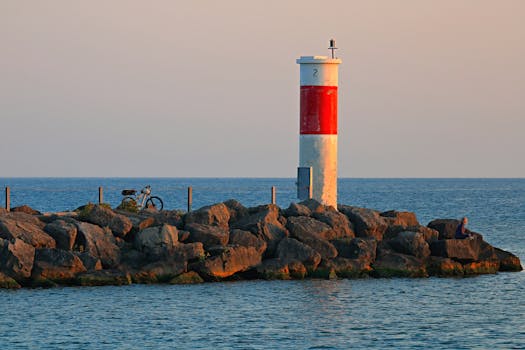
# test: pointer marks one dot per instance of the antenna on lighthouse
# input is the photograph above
(332, 47)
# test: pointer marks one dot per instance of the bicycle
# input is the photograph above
(141, 200)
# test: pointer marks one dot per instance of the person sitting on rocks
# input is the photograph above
(461, 229)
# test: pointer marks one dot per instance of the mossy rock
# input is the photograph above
(7, 282)
(325, 273)
(130, 206)
(190, 277)
(104, 278)
(43, 283)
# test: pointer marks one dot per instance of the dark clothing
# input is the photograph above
(460, 232)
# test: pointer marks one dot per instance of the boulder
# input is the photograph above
(170, 217)
(16, 258)
(190, 277)
(341, 226)
(457, 249)
(160, 271)
(157, 242)
(312, 233)
(445, 227)
(444, 267)
(211, 215)
(237, 210)
(290, 250)
(367, 222)
(325, 270)
(351, 268)
(481, 267)
(26, 231)
(264, 222)
(507, 261)
(363, 249)
(295, 209)
(297, 270)
(24, 217)
(189, 252)
(98, 242)
(233, 259)
(313, 205)
(207, 234)
(25, 209)
(183, 235)
(90, 262)
(57, 265)
(247, 239)
(392, 264)
(400, 218)
(63, 232)
(104, 278)
(7, 282)
(103, 216)
(273, 269)
(411, 243)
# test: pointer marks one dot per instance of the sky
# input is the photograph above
(126, 88)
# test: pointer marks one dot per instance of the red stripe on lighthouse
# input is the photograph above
(319, 110)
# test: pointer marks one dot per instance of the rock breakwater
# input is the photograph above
(97, 245)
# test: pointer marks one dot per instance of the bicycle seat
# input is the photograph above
(128, 192)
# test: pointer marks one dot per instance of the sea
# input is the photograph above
(483, 312)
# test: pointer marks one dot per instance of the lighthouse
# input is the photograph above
(317, 172)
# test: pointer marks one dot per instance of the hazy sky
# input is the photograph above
(211, 88)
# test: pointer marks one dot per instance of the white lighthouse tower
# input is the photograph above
(317, 172)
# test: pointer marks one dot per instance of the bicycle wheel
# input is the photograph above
(154, 202)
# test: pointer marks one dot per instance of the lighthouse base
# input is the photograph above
(320, 153)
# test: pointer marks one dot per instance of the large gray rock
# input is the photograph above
(312, 233)
(102, 216)
(367, 222)
(445, 227)
(264, 222)
(104, 278)
(400, 218)
(247, 239)
(290, 250)
(28, 232)
(63, 232)
(350, 268)
(208, 235)
(237, 210)
(16, 258)
(363, 249)
(295, 209)
(457, 249)
(25, 209)
(213, 215)
(90, 262)
(57, 265)
(392, 264)
(98, 242)
(508, 261)
(411, 243)
(341, 226)
(157, 242)
(232, 260)
(273, 269)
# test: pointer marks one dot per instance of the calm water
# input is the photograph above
(473, 313)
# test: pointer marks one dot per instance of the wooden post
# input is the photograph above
(8, 198)
(100, 195)
(190, 198)
(273, 194)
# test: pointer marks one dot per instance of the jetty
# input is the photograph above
(97, 245)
